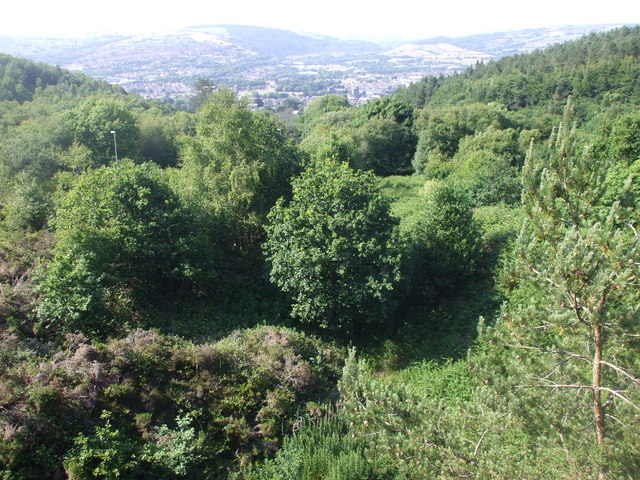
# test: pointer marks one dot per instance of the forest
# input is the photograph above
(441, 283)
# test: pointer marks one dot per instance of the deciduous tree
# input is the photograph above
(333, 248)
(234, 169)
(120, 232)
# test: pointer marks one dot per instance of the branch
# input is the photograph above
(554, 385)
(582, 357)
(620, 396)
(616, 419)
(465, 458)
(622, 371)
(540, 275)
(633, 245)
(583, 387)
(475, 452)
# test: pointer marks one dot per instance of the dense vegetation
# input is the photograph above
(443, 283)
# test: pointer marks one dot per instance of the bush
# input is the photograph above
(121, 245)
(173, 409)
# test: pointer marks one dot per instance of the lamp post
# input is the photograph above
(115, 144)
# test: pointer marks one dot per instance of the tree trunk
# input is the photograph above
(598, 408)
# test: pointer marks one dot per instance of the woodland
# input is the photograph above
(442, 283)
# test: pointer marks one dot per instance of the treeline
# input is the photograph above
(21, 79)
(179, 291)
(601, 67)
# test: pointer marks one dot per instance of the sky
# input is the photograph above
(348, 19)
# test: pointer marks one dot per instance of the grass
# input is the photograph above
(407, 195)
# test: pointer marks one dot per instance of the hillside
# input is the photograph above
(595, 67)
(267, 60)
(442, 283)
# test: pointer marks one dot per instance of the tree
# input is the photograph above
(621, 147)
(30, 156)
(204, 88)
(333, 248)
(579, 266)
(487, 178)
(440, 131)
(386, 147)
(159, 132)
(234, 169)
(92, 123)
(392, 108)
(121, 240)
(447, 243)
(320, 106)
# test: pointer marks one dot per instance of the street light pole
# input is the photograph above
(115, 144)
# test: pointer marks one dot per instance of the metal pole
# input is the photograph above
(115, 144)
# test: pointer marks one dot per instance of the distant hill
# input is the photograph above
(284, 43)
(21, 78)
(520, 41)
(273, 61)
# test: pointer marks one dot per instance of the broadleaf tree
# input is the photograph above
(333, 248)
(234, 169)
(122, 237)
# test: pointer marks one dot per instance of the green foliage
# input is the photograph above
(392, 108)
(120, 233)
(500, 225)
(620, 147)
(573, 312)
(500, 142)
(333, 137)
(488, 179)
(560, 360)
(450, 381)
(320, 106)
(108, 453)
(29, 206)
(321, 450)
(334, 248)
(30, 156)
(234, 169)
(407, 196)
(92, 123)
(373, 137)
(440, 131)
(329, 143)
(21, 80)
(152, 406)
(386, 147)
(19, 252)
(447, 245)
(408, 434)
(599, 66)
(159, 133)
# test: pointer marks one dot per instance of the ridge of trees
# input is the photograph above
(600, 66)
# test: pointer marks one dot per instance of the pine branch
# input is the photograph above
(477, 449)
(583, 387)
(612, 366)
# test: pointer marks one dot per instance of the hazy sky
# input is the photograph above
(340, 18)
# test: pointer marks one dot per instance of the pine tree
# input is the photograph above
(581, 261)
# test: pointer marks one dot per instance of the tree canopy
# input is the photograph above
(332, 247)
(234, 168)
(120, 233)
